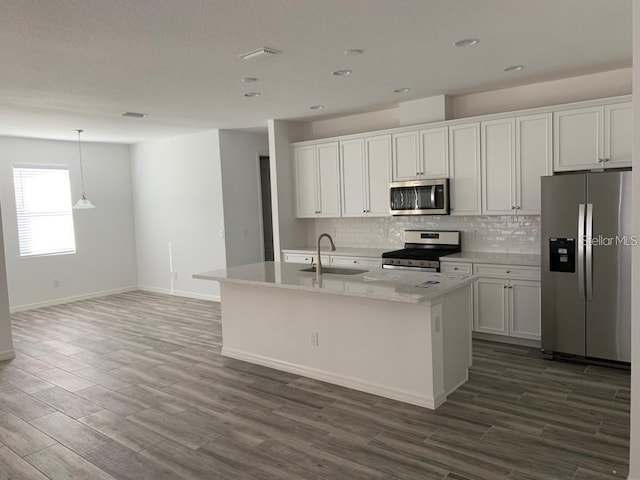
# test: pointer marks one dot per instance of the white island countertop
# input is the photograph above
(375, 283)
(529, 260)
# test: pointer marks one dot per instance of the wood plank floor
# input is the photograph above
(133, 386)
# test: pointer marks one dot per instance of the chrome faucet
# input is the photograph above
(319, 264)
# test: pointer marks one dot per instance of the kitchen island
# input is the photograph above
(400, 335)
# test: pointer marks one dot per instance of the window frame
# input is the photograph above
(22, 216)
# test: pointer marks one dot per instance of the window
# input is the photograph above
(43, 205)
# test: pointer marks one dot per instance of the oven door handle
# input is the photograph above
(411, 269)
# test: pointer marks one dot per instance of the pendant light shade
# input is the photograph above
(84, 202)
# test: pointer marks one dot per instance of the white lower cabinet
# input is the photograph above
(304, 258)
(355, 262)
(335, 260)
(504, 305)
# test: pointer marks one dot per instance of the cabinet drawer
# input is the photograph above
(304, 258)
(507, 271)
(356, 261)
(451, 267)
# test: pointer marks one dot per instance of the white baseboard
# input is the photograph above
(7, 355)
(180, 293)
(60, 301)
(337, 379)
(525, 342)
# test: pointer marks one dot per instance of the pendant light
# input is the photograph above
(84, 201)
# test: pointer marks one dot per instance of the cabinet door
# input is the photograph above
(352, 169)
(435, 152)
(406, 151)
(534, 159)
(464, 168)
(524, 309)
(491, 307)
(498, 162)
(618, 135)
(577, 139)
(378, 155)
(328, 180)
(306, 174)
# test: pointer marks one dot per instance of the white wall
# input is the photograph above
(239, 154)
(6, 343)
(634, 448)
(105, 257)
(574, 89)
(567, 90)
(287, 230)
(177, 200)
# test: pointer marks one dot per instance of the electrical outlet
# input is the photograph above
(314, 339)
(55, 283)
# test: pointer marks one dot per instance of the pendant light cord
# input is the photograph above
(80, 155)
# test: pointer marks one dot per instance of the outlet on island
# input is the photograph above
(314, 339)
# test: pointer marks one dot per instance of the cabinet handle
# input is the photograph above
(355, 261)
(504, 286)
(364, 211)
(607, 159)
(417, 174)
(600, 160)
(511, 286)
(455, 268)
(508, 271)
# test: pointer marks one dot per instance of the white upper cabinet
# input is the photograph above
(365, 171)
(352, 169)
(464, 169)
(406, 156)
(421, 154)
(592, 137)
(498, 167)
(618, 135)
(516, 152)
(317, 180)
(378, 156)
(434, 149)
(534, 159)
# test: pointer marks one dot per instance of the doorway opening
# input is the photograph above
(265, 194)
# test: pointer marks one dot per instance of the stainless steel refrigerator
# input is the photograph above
(586, 265)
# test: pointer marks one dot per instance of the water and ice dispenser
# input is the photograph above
(562, 255)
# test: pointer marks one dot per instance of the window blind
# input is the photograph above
(43, 206)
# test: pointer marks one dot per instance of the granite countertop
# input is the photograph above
(342, 251)
(376, 283)
(528, 260)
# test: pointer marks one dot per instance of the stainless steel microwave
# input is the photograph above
(420, 197)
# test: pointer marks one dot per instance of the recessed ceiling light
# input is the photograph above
(252, 94)
(513, 68)
(249, 79)
(134, 114)
(353, 51)
(401, 90)
(342, 73)
(467, 42)
(316, 107)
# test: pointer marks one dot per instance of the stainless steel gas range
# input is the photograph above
(422, 250)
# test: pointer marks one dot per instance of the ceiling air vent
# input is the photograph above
(260, 54)
(134, 114)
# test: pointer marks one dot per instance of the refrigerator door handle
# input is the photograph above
(589, 251)
(581, 242)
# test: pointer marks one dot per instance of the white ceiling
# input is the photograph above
(68, 64)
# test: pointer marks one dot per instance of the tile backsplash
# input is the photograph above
(507, 234)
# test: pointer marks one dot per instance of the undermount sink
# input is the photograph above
(336, 271)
